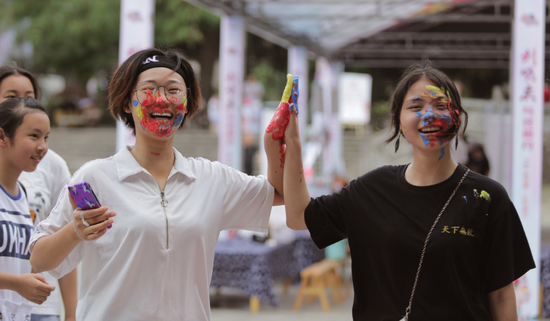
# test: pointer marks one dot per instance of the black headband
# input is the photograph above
(160, 61)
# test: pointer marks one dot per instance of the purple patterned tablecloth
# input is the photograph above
(252, 267)
(545, 278)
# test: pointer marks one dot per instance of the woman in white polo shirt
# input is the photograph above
(155, 263)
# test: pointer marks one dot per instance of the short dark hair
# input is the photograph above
(13, 110)
(125, 77)
(6, 71)
(413, 74)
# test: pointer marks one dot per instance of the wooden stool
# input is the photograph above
(315, 279)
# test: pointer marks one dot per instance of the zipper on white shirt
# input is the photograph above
(164, 204)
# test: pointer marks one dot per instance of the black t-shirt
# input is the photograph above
(478, 245)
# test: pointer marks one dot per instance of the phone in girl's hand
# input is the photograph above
(84, 196)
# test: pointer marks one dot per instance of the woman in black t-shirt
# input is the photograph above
(477, 248)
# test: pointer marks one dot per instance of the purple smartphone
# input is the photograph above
(84, 196)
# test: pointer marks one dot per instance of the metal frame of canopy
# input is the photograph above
(375, 33)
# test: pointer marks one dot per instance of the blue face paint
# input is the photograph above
(429, 115)
(135, 102)
(164, 129)
(465, 199)
(425, 139)
(178, 120)
(442, 153)
(418, 114)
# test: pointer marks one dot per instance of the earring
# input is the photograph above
(397, 141)
(456, 142)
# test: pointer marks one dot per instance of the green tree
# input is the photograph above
(79, 38)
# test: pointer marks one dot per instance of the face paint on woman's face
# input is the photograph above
(435, 127)
(438, 125)
(427, 117)
(156, 116)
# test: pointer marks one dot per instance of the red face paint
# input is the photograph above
(156, 103)
(436, 117)
(438, 96)
(156, 154)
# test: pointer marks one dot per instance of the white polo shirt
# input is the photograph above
(155, 263)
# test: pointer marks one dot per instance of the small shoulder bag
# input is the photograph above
(408, 310)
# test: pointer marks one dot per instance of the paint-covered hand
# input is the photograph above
(289, 104)
(293, 107)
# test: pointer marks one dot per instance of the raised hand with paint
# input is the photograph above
(169, 208)
(476, 249)
(279, 122)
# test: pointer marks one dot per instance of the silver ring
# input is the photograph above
(83, 220)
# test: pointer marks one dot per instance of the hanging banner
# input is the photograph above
(354, 98)
(336, 147)
(136, 33)
(298, 66)
(232, 44)
(323, 76)
(528, 111)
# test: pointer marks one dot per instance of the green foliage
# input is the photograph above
(74, 38)
(79, 38)
(379, 115)
(178, 22)
(273, 80)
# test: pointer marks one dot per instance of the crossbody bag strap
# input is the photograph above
(408, 311)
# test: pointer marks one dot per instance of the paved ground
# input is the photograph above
(231, 305)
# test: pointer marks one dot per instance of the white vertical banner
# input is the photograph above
(232, 46)
(337, 67)
(527, 75)
(354, 98)
(136, 33)
(323, 75)
(298, 66)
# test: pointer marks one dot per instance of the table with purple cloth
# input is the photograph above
(252, 266)
(545, 278)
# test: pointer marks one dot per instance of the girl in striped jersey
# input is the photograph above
(24, 130)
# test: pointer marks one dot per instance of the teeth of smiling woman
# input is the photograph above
(430, 129)
(163, 115)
